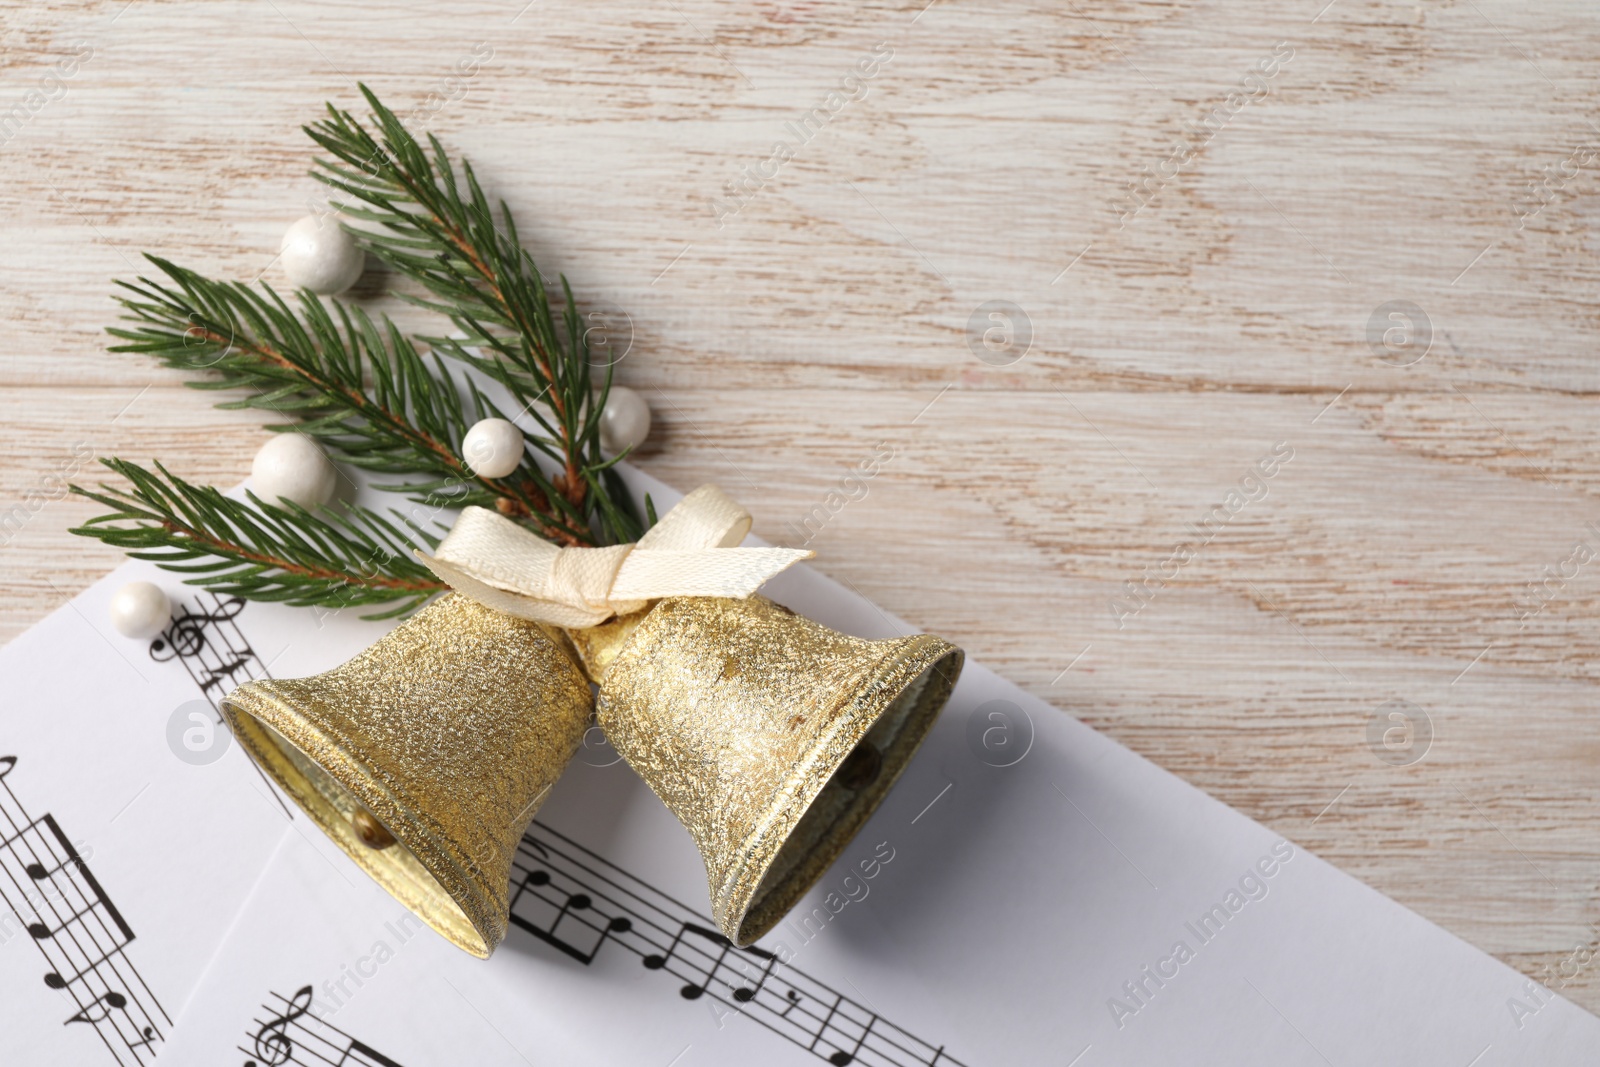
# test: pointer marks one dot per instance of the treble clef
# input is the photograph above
(273, 1045)
(186, 636)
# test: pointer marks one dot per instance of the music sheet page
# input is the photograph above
(131, 830)
(1059, 900)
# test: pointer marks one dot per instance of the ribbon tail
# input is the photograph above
(726, 572)
(706, 518)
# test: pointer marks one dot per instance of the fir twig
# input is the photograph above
(437, 227)
(340, 557)
(370, 396)
(315, 367)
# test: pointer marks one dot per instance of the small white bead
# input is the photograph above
(140, 610)
(319, 255)
(625, 422)
(293, 465)
(493, 448)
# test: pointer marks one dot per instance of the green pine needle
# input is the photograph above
(436, 226)
(316, 367)
(369, 394)
(343, 556)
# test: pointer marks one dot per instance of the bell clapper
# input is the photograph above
(860, 768)
(373, 834)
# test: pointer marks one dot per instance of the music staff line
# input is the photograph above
(704, 971)
(282, 1040)
(38, 851)
(83, 937)
(215, 652)
(595, 906)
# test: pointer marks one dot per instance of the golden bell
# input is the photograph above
(426, 756)
(771, 737)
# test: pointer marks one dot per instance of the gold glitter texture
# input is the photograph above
(447, 734)
(771, 737)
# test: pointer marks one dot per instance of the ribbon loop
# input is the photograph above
(691, 551)
(706, 518)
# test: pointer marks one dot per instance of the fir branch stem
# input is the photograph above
(219, 547)
(403, 423)
(339, 557)
(367, 393)
(572, 487)
(441, 232)
(517, 496)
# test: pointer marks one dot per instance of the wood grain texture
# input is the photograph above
(1388, 158)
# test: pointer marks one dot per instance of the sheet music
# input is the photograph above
(1075, 905)
(579, 903)
(205, 638)
(131, 830)
(83, 938)
(286, 1033)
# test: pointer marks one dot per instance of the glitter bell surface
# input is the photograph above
(771, 737)
(426, 756)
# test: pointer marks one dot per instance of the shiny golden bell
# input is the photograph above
(426, 756)
(771, 737)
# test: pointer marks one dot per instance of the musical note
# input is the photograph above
(572, 886)
(186, 636)
(107, 1004)
(841, 1057)
(54, 979)
(745, 994)
(824, 1027)
(76, 927)
(369, 1056)
(38, 872)
(693, 990)
(274, 1046)
(573, 903)
(40, 931)
(214, 651)
(70, 917)
(223, 672)
(69, 858)
(272, 1042)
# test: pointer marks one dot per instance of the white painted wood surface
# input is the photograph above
(1387, 159)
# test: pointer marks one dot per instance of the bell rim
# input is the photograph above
(392, 805)
(913, 656)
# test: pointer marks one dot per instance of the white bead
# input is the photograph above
(625, 422)
(140, 610)
(293, 465)
(319, 255)
(493, 448)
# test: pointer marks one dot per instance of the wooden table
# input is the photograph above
(1085, 269)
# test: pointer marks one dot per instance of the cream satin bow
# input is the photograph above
(689, 552)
